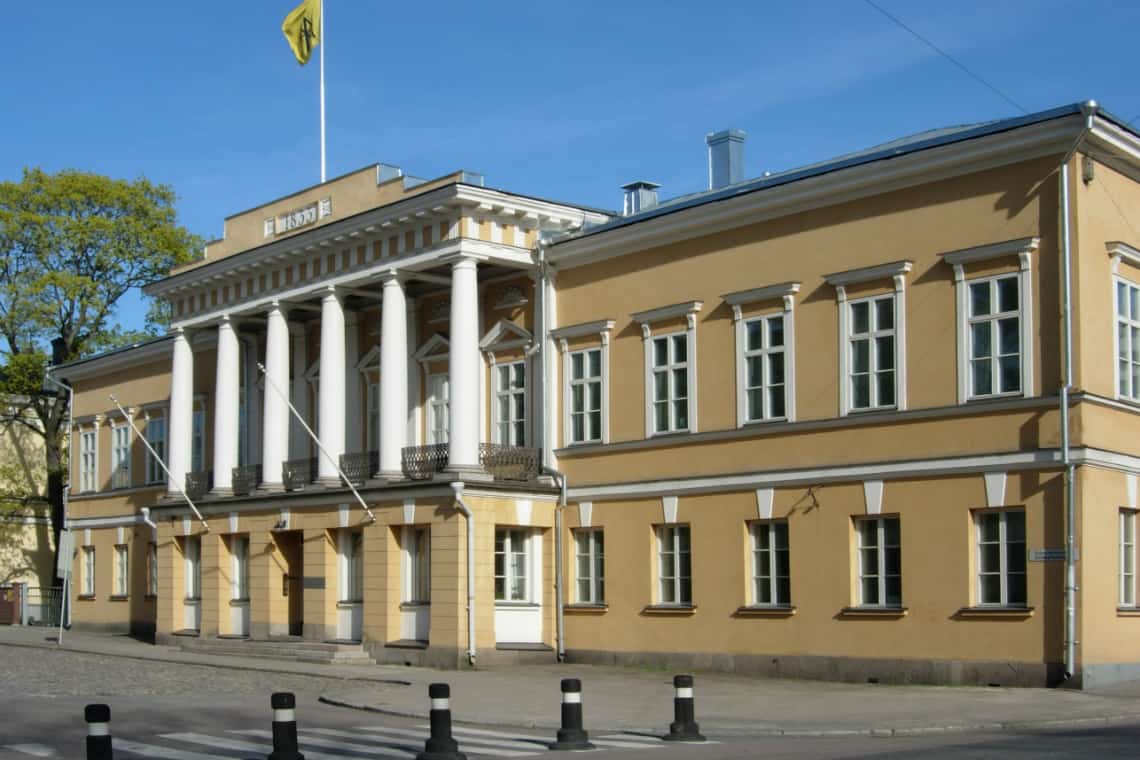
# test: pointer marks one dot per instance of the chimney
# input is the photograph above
(639, 196)
(726, 157)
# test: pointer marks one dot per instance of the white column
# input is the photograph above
(299, 441)
(181, 422)
(393, 377)
(226, 399)
(353, 412)
(276, 419)
(463, 370)
(330, 402)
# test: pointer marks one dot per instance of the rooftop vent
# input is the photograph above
(726, 157)
(639, 196)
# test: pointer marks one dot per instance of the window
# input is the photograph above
(512, 560)
(156, 437)
(1127, 558)
(239, 584)
(1001, 558)
(764, 368)
(586, 396)
(674, 566)
(120, 456)
(192, 566)
(152, 569)
(880, 562)
(87, 460)
(373, 417)
(88, 571)
(771, 566)
(122, 566)
(589, 554)
(416, 542)
(1128, 339)
(670, 383)
(198, 442)
(510, 404)
(994, 336)
(437, 408)
(871, 347)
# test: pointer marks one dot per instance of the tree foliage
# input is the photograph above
(72, 244)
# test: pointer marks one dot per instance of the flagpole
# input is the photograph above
(322, 46)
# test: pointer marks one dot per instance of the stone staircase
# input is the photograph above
(290, 648)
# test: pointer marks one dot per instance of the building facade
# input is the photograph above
(816, 424)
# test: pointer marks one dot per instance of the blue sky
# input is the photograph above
(561, 100)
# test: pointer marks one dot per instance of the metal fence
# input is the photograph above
(42, 605)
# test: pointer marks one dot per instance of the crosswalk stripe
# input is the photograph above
(633, 737)
(525, 737)
(511, 748)
(165, 753)
(311, 741)
(35, 750)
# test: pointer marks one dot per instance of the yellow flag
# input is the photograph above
(302, 28)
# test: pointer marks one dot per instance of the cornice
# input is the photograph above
(991, 251)
(868, 274)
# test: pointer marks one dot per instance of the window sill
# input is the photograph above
(502, 605)
(406, 644)
(762, 422)
(681, 610)
(239, 602)
(762, 611)
(118, 598)
(86, 597)
(586, 608)
(874, 612)
(994, 613)
(872, 410)
(348, 604)
(670, 434)
(407, 606)
(191, 600)
(1128, 611)
(994, 397)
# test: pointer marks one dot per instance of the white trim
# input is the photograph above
(498, 394)
(873, 496)
(740, 329)
(524, 509)
(1018, 246)
(764, 503)
(1130, 489)
(868, 274)
(342, 515)
(684, 309)
(897, 332)
(597, 327)
(233, 522)
(689, 310)
(568, 382)
(995, 488)
(669, 505)
(1119, 251)
(506, 335)
(87, 523)
(585, 514)
(409, 511)
(766, 293)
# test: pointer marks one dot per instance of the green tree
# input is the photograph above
(72, 244)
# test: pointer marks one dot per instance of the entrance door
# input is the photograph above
(415, 573)
(239, 586)
(292, 587)
(518, 586)
(350, 606)
(192, 573)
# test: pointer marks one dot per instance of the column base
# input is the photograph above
(271, 488)
(221, 491)
(329, 481)
(390, 477)
(465, 472)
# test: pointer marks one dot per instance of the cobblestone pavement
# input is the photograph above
(50, 673)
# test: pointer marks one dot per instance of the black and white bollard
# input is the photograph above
(98, 719)
(572, 735)
(684, 727)
(284, 706)
(440, 745)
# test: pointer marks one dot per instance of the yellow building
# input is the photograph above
(816, 424)
(26, 551)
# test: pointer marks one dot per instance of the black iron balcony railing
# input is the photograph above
(199, 483)
(422, 462)
(298, 473)
(509, 462)
(245, 479)
(360, 466)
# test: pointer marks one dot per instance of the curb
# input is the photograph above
(710, 727)
(236, 665)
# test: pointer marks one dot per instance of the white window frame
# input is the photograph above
(509, 576)
(88, 571)
(589, 543)
(152, 569)
(879, 572)
(1127, 561)
(239, 556)
(688, 310)
(154, 472)
(415, 546)
(88, 460)
(770, 568)
(669, 543)
(991, 320)
(192, 568)
(896, 273)
(1003, 572)
(350, 566)
(198, 440)
(564, 335)
(738, 301)
(122, 570)
(507, 396)
(1123, 252)
(120, 455)
(1023, 248)
(871, 338)
(436, 408)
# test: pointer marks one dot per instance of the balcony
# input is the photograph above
(501, 462)
(199, 483)
(245, 479)
(298, 473)
(360, 466)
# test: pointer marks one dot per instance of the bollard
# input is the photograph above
(440, 745)
(572, 735)
(284, 706)
(684, 727)
(98, 719)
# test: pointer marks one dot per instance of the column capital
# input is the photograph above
(330, 291)
(462, 259)
(393, 277)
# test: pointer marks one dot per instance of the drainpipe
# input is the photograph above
(1088, 109)
(458, 488)
(145, 512)
(559, 624)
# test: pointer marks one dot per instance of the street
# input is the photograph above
(179, 711)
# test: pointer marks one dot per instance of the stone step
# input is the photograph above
(294, 650)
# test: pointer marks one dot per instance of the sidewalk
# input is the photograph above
(626, 699)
